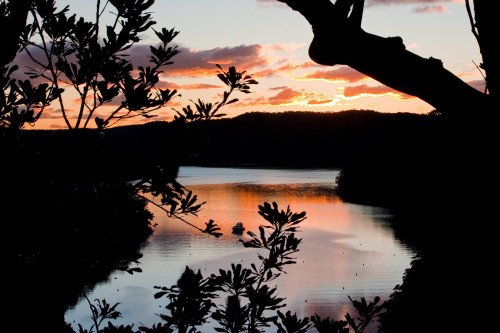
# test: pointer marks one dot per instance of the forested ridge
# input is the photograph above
(306, 139)
(393, 150)
(260, 139)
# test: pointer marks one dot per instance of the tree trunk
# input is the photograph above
(485, 17)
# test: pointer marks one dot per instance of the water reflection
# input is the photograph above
(346, 249)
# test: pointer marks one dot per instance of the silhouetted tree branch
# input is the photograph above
(484, 28)
(339, 39)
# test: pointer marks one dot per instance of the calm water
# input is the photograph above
(346, 249)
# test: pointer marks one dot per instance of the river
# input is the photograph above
(346, 249)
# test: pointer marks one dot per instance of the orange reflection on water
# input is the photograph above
(346, 249)
(230, 203)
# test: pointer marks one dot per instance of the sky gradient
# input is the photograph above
(269, 41)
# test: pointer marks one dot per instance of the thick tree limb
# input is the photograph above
(339, 39)
(391, 64)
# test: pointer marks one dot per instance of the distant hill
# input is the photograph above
(257, 139)
(304, 139)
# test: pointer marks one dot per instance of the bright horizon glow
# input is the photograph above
(269, 40)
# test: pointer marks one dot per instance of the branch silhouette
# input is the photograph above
(339, 39)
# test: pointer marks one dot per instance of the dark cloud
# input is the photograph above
(278, 88)
(197, 63)
(189, 62)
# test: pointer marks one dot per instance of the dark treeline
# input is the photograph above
(303, 139)
(256, 139)
(390, 156)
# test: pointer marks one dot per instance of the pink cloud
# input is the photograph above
(199, 86)
(430, 9)
(286, 96)
(368, 3)
(252, 101)
(264, 73)
(270, 3)
(402, 2)
(379, 90)
(478, 84)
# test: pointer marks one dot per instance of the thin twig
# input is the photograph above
(169, 214)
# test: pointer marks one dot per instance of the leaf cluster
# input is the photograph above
(69, 51)
(234, 80)
(250, 303)
(22, 102)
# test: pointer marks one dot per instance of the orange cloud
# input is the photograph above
(199, 86)
(166, 85)
(287, 68)
(320, 102)
(252, 101)
(264, 73)
(284, 97)
(364, 89)
(379, 90)
(340, 74)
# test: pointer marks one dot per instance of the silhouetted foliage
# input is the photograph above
(251, 304)
(87, 213)
(98, 67)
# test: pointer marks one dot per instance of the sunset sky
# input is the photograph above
(267, 39)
